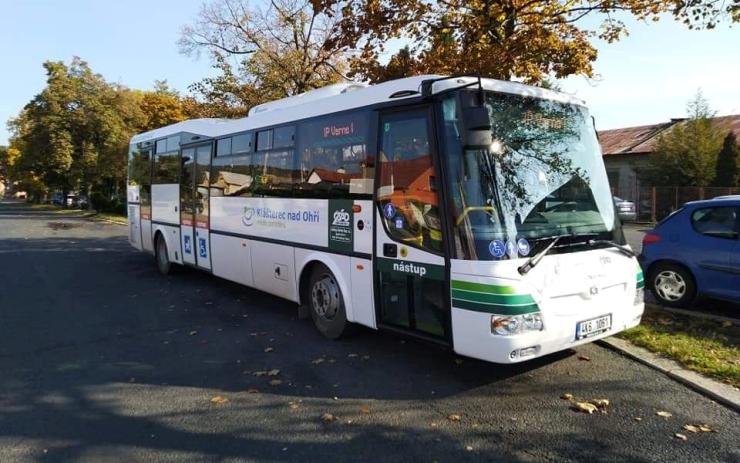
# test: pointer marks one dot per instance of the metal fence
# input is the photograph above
(654, 203)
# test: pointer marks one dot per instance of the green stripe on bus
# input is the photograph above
(482, 288)
(495, 308)
(504, 299)
(640, 284)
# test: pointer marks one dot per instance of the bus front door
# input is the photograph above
(194, 205)
(410, 264)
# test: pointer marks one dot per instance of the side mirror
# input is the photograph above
(477, 127)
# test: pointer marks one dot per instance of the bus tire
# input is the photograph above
(161, 255)
(326, 303)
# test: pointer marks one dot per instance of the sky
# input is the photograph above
(646, 78)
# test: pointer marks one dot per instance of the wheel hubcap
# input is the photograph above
(670, 286)
(325, 297)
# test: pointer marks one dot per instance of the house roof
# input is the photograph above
(642, 139)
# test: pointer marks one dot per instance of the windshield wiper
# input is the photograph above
(535, 259)
(627, 252)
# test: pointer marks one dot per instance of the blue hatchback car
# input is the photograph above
(695, 252)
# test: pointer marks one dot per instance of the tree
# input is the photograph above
(73, 135)
(727, 173)
(504, 39)
(161, 107)
(263, 53)
(686, 155)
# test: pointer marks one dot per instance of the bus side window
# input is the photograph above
(407, 195)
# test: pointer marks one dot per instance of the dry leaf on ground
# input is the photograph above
(678, 435)
(664, 414)
(585, 358)
(365, 409)
(453, 417)
(294, 404)
(727, 323)
(567, 396)
(269, 349)
(219, 400)
(637, 418)
(601, 404)
(276, 382)
(193, 333)
(317, 361)
(697, 428)
(352, 356)
(328, 418)
(273, 372)
(259, 373)
(585, 407)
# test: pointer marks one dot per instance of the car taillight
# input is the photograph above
(651, 238)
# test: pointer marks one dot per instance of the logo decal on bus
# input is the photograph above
(341, 218)
(247, 217)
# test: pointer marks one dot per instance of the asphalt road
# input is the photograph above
(103, 360)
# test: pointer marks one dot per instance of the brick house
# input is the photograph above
(626, 151)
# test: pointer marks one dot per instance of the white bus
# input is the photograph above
(470, 212)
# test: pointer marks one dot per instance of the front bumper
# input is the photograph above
(473, 338)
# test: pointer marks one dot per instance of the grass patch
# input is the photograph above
(705, 346)
(117, 218)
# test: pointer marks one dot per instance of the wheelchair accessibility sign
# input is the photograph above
(187, 245)
(202, 247)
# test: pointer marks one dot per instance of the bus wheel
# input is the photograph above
(161, 256)
(326, 303)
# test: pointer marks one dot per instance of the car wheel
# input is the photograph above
(161, 256)
(326, 303)
(672, 285)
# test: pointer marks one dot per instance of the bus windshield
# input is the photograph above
(542, 176)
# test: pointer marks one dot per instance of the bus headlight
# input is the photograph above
(639, 296)
(507, 325)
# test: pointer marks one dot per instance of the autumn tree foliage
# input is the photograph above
(504, 39)
(263, 53)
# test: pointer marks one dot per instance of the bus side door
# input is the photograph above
(410, 264)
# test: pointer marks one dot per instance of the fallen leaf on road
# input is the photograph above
(218, 400)
(680, 436)
(317, 361)
(665, 321)
(276, 382)
(328, 418)
(601, 404)
(726, 324)
(469, 448)
(365, 409)
(691, 428)
(193, 333)
(567, 396)
(259, 373)
(453, 417)
(584, 407)
(664, 414)
(293, 404)
(637, 418)
(352, 355)
(585, 358)
(269, 349)
(697, 428)
(705, 428)
(273, 372)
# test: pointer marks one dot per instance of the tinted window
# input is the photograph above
(264, 140)
(223, 147)
(162, 146)
(282, 137)
(166, 168)
(333, 159)
(406, 193)
(274, 173)
(720, 222)
(242, 143)
(173, 143)
(232, 176)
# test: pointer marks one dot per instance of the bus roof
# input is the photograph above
(339, 97)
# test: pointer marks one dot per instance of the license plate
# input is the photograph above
(594, 326)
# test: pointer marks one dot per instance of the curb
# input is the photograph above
(725, 394)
